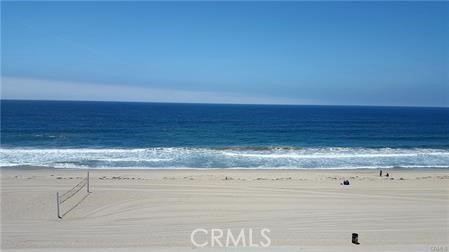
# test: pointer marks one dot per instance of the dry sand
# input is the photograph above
(156, 210)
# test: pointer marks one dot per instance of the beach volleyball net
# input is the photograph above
(63, 198)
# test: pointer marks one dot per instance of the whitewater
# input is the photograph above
(233, 158)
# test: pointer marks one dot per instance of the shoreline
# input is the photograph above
(34, 167)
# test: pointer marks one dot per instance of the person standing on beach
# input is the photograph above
(380, 173)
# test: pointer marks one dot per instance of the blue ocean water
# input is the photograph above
(161, 135)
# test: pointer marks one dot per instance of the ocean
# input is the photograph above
(122, 135)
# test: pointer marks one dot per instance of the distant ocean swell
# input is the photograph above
(230, 157)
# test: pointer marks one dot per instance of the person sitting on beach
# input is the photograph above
(388, 175)
(345, 182)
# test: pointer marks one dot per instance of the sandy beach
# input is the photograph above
(156, 210)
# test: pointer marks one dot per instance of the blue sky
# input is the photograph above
(352, 53)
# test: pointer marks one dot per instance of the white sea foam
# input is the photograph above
(234, 158)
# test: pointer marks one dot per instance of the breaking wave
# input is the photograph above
(229, 157)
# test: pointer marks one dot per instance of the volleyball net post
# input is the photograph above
(88, 184)
(57, 205)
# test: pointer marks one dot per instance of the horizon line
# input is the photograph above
(231, 104)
